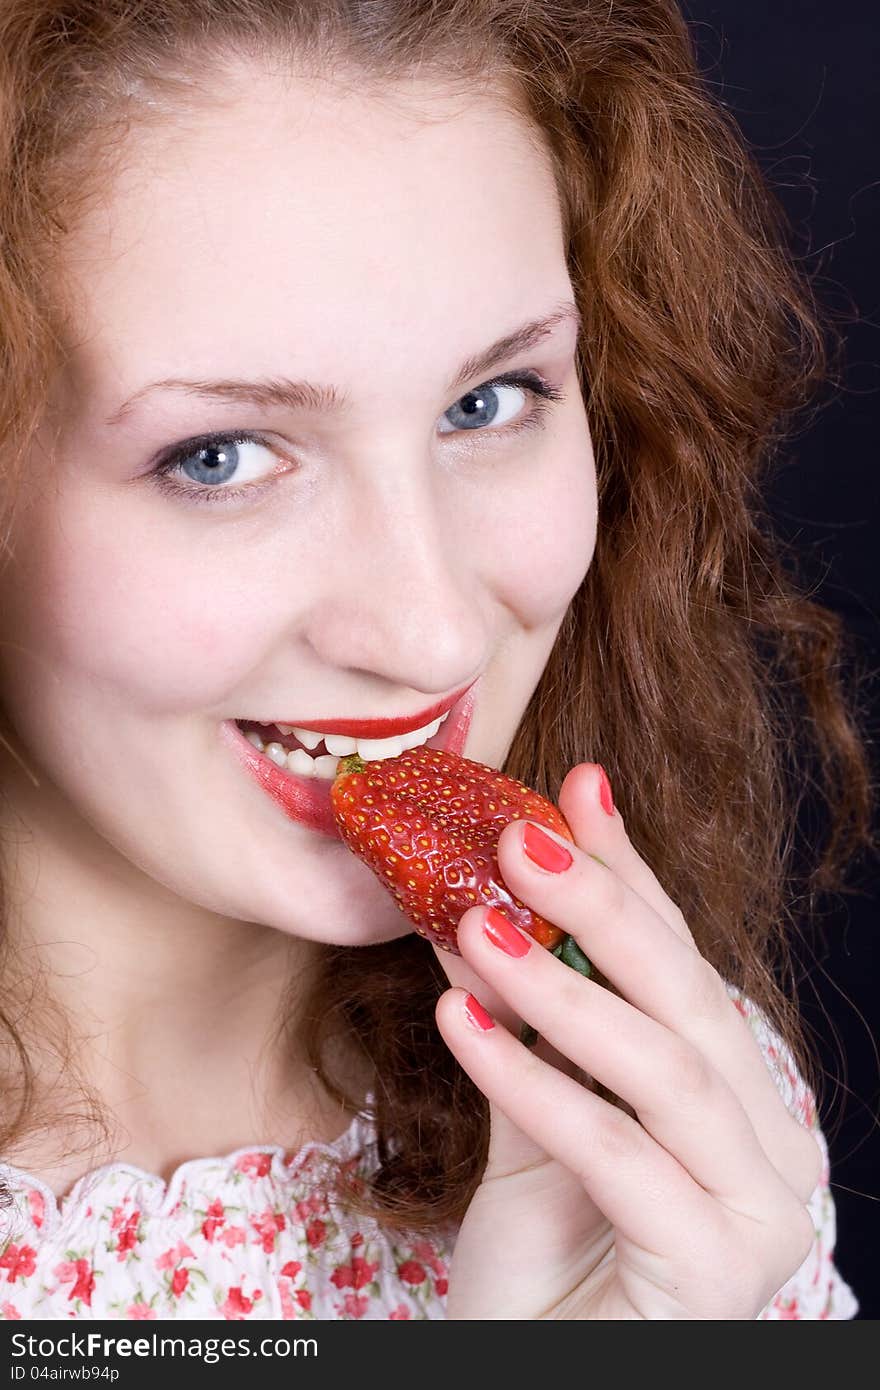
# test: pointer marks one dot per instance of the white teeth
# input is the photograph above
(300, 763)
(421, 735)
(338, 746)
(305, 736)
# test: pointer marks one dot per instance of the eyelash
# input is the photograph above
(544, 396)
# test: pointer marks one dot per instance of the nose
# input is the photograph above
(402, 596)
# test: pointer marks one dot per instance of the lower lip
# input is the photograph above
(307, 799)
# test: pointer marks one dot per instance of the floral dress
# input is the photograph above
(263, 1234)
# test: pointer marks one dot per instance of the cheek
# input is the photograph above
(123, 613)
(543, 535)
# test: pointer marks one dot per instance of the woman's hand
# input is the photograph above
(694, 1205)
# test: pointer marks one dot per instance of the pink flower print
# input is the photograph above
(85, 1283)
(441, 1287)
(215, 1216)
(355, 1275)
(233, 1235)
(237, 1306)
(179, 1281)
(310, 1206)
(411, 1272)
(356, 1240)
(118, 1218)
(256, 1165)
(266, 1226)
(787, 1309)
(316, 1231)
(19, 1261)
(173, 1256)
(141, 1311)
(304, 1299)
(37, 1204)
(128, 1236)
(355, 1305)
(399, 1314)
(10, 1311)
(291, 1269)
(425, 1252)
(288, 1309)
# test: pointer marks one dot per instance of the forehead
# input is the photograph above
(300, 224)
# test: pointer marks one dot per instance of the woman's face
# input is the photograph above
(360, 561)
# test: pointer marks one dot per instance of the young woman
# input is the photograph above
(387, 363)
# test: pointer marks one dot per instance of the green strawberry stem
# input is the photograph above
(569, 952)
(351, 762)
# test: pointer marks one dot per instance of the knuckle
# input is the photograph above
(788, 1240)
(797, 1157)
(791, 1238)
(619, 1137)
(706, 998)
(607, 894)
(691, 1076)
(680, 926)
(803, 1235)
(569, 992)
(807, 1163)
(745, 1270)
(724, 1246)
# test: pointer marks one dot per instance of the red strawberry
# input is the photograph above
(427, 823)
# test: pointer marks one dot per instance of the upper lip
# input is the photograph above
(379, 728)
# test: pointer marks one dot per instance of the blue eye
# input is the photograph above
(221, 461)
(481, 407)
(212, 461)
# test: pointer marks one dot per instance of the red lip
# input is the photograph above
(307, 799)
(377, 728)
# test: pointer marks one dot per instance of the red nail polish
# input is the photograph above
(504, 934)
(476, 1015)
(605, 797)
(544, 852)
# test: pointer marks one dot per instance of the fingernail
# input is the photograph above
(605, 797)
(504, 934)
(544, 852)
(476, 1015)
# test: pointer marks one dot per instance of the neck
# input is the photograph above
(177, 1020)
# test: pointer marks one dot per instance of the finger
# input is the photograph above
(641, 1188)
(509, 1148)
(597, 832)
(661, 975)
(462, 974)
(678, 1097)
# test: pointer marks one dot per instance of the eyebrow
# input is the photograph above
(304, 395)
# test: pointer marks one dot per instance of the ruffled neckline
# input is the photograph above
(157, 1196)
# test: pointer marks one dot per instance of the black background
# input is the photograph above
(801, 79)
